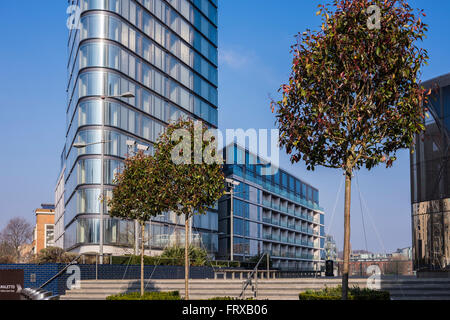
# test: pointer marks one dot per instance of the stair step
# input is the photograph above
(274, 289)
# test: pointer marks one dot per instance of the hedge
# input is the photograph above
(228, 298)
(354, 293)
(171, 295)
(153, 261)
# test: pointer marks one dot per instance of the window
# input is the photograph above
(112, 168)
(132, 43)
(89, 171)
(146, 99)
(49, 235)
(158, 32)
(88, 201)
(91, 84)
(124, 35)
(114, 29)
(113, 57)
(88, 231)
(291, 184)
(111, 227)
(124, 62)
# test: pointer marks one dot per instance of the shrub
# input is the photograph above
(173, 256)
(228, 298)
(171, 295)
(133, 259)
(355, 293)
(197, 256)
(7, 259)
(225, 264)
(54, 255)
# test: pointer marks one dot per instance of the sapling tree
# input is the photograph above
(354, 97)
(187, 151)
(142, 191)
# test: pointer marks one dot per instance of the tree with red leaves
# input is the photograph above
(354, 97)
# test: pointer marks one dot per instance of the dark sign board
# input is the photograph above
(11, 284)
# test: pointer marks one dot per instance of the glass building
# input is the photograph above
(278, 214)
(430, 183)
(163, 55)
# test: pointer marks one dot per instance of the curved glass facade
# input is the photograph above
(165, 53)
(430, 183)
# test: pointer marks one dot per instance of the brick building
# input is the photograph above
(43, 233)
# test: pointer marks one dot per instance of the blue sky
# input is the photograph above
(254, 43)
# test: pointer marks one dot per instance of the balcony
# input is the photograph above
(267, 220)
(271, 237)
(290, 196)
(275, 253)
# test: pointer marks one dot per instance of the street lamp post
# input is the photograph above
(80, 146)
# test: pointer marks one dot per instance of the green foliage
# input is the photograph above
(142, 190)
(173, 256)
(135, 260)
(353, 97)
(4, 259)
(171, 295)
(225, 263)
(54, 255)
(229, 298)
(195, 184)
(197, 256)
(355, 293)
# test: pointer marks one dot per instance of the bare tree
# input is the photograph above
(17, 233)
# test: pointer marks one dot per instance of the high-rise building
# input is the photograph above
(134, 65)
(60, 204)
(430, 182)
(277, 214)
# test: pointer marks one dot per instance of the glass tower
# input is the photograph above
(162, 56)
(430, 182)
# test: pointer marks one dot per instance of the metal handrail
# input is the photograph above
(249, 278)
(60, 272)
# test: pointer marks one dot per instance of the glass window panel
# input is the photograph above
(114, 29)
(113, 57)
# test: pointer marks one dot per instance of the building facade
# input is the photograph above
(277, 214)
(44, 230)
(430, 182)
(60, 204)
(134, 66)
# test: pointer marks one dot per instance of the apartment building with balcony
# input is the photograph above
(278, 214)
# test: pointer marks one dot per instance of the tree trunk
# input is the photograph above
(186, 258)
(345, 271)
(142, 257)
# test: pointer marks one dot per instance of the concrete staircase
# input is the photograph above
(273, 289)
